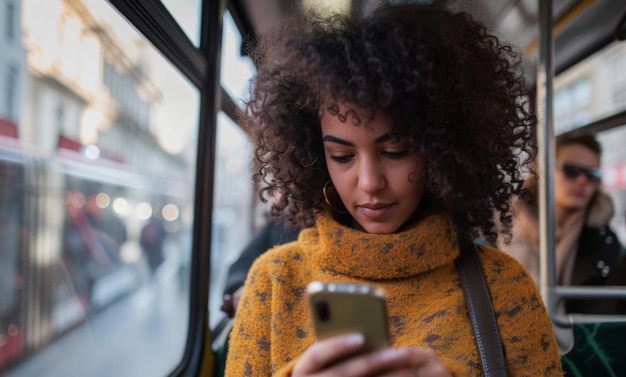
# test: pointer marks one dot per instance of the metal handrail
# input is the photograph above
(589, 292)
(559, 293)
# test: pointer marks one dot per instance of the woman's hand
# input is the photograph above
(336, 356)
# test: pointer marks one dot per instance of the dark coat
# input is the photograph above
(275, 232)
(598, 256)
(597, 261)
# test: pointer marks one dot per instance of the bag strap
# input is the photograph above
(480, 310)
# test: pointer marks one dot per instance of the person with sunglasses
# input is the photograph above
(587, 250)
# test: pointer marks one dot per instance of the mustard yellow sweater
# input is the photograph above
(425, 299)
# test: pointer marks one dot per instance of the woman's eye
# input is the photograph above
(394, 154)
(341, 159)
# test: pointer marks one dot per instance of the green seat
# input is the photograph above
(599, 350)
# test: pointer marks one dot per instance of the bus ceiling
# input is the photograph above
(581, 27)
(620, 31)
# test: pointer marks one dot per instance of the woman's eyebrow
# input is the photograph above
(334, 139)
(337, 140)
(383, 138)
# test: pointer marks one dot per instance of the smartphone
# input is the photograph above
(338, 308)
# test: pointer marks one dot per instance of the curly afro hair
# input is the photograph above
(456, 91)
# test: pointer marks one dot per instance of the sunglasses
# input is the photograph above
(572, 172)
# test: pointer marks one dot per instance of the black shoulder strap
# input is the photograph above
(481, 311)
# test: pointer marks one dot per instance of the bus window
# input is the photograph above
(589, 97)
(187, 14)
(614, 175)
(234, 193)
(96, 282)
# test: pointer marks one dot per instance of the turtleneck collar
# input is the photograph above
(423, 246)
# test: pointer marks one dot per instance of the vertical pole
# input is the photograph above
(546, 156)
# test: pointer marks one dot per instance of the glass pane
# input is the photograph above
(236, 70)
(235, 200)
(233, 205)
(187, 13)
(97, 162)
(614, 175)
(591, 90)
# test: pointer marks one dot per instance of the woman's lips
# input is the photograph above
(374, 211)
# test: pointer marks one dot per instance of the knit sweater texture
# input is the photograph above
(426, 304)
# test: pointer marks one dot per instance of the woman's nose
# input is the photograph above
(371, 177)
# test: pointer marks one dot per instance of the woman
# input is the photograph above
(587, 250)
(394, 135)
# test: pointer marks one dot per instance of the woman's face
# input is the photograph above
(573, 189)
(379, 179)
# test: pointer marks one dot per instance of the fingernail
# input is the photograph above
(355, 339)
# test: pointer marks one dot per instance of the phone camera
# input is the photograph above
(323, 311)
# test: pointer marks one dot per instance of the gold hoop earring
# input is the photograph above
(328, 201)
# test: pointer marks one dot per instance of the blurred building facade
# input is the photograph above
(88, 90)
